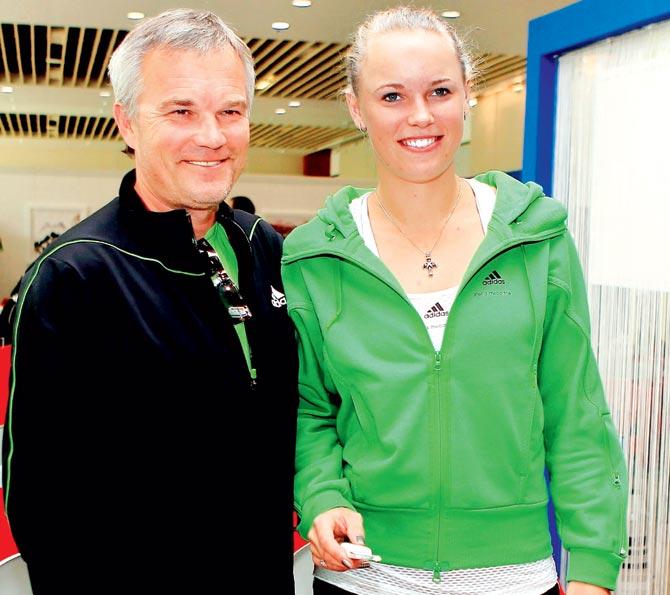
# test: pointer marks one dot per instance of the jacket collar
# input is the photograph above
(168, 235)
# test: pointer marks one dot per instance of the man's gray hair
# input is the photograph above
(403, 18)
(181, 29)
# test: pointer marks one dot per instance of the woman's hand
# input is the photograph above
(577, 588)
(330, 529)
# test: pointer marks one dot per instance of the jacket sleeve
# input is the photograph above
(319, 483)
(583, 454)
(45, 380)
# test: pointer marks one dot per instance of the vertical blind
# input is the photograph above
(611, 155)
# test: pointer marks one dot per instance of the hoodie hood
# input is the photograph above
(522, 211)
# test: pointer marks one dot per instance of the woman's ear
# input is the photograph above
(468, 91)
(354, 110)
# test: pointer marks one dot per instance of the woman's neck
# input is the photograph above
(418, 207)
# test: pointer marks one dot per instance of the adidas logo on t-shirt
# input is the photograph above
(435, 311)
(493, 279)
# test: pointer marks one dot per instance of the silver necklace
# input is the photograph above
(429, 264)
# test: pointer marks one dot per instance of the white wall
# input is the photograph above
(291, 195)
(357, 159)
(497, 132)
(23, 190)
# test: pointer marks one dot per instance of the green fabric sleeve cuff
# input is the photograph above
(595, 567)
(317, 504)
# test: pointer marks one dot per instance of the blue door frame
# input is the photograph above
(574, 26)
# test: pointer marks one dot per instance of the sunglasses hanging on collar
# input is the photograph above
(228, 292)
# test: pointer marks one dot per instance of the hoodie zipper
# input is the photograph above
(616, 481)
(436, 565)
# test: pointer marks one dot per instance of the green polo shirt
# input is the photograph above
(218, 238)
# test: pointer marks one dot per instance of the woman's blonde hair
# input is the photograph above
(402, 18)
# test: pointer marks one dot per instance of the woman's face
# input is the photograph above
(411, 98)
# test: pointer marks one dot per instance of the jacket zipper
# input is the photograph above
(236, 224)
(623, 550)
(252, 375)
(437, 366)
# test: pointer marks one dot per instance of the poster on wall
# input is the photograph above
(48, 222)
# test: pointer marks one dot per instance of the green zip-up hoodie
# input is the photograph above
(443, 453)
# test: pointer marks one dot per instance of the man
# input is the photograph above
(153, 354)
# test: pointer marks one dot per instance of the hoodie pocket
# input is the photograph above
(359, 450)
(365, 420)
(352, 406)
(532, 449)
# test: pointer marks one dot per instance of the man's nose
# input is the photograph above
(210, 132)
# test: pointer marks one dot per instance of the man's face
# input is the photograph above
(191, 130)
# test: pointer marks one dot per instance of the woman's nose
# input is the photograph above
(421, 114)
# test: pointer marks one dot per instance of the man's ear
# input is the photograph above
(125, 124)
(354, 110)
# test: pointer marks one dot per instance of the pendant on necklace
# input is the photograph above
(429, 265)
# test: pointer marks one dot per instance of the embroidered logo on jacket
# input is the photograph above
(277, 298)
(493, 278)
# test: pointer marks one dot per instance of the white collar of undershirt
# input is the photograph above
(485, 199)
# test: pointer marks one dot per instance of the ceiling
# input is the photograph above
(54, 54)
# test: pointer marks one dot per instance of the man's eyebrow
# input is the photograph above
(175, 103)
(240, 103)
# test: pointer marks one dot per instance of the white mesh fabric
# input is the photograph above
(534, 578)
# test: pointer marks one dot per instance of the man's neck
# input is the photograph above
(201, 220)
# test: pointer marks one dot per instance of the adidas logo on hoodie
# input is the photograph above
(436, 311)
(493, 279)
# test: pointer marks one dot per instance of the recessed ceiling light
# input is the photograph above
(135, 16)
(263, 84)
(302, 3)
(472, 102)
(6, 89)
(517, 87)
(280, 111)
(280, 25)
(105, 94)
(294, 104)
(451, 14)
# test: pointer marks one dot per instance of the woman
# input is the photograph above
(445, 356)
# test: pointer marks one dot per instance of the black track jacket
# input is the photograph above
(136, 444)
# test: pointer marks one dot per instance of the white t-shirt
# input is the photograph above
(533, 578)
